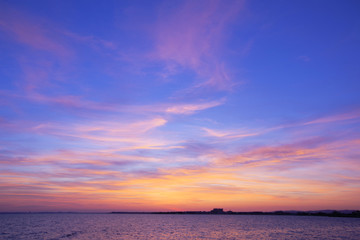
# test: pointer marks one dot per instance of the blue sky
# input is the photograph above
(181, 105)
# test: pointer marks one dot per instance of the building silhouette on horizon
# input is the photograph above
(217, 211)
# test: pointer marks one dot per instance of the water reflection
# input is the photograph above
(113, 226)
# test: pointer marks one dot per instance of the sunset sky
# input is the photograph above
(179, 105)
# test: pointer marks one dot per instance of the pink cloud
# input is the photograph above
(355, 114)
(35, 81)
(116, 135)
(71, 102)
(307, 154)
(191, 37)
(180, 108)
(31, 31)
(192, 108)
(304, 58)
(35, 74)
(230, 134)
(45, 61)
(92, 41)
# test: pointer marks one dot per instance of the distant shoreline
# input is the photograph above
(324, 213)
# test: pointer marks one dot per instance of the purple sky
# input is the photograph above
(179, 105)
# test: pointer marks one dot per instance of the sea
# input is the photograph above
(167, 226)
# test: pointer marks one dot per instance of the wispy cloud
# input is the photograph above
(92, 41)
(106, 131)
(350, 115)
(192, 108)
(32, 32)
(229, 134)
(304, 58)
(190, 37)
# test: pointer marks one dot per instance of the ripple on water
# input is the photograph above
(147, 226)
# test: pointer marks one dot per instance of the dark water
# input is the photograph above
(144, 226)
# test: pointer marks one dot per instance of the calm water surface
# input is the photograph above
(145, 226)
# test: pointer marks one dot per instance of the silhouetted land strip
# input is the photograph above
(324, 213)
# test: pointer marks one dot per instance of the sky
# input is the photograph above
(179, 105)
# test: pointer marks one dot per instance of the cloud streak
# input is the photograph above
(190, 37)
(192, 108)
(31, 32)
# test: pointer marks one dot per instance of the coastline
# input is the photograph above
(322, 213)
